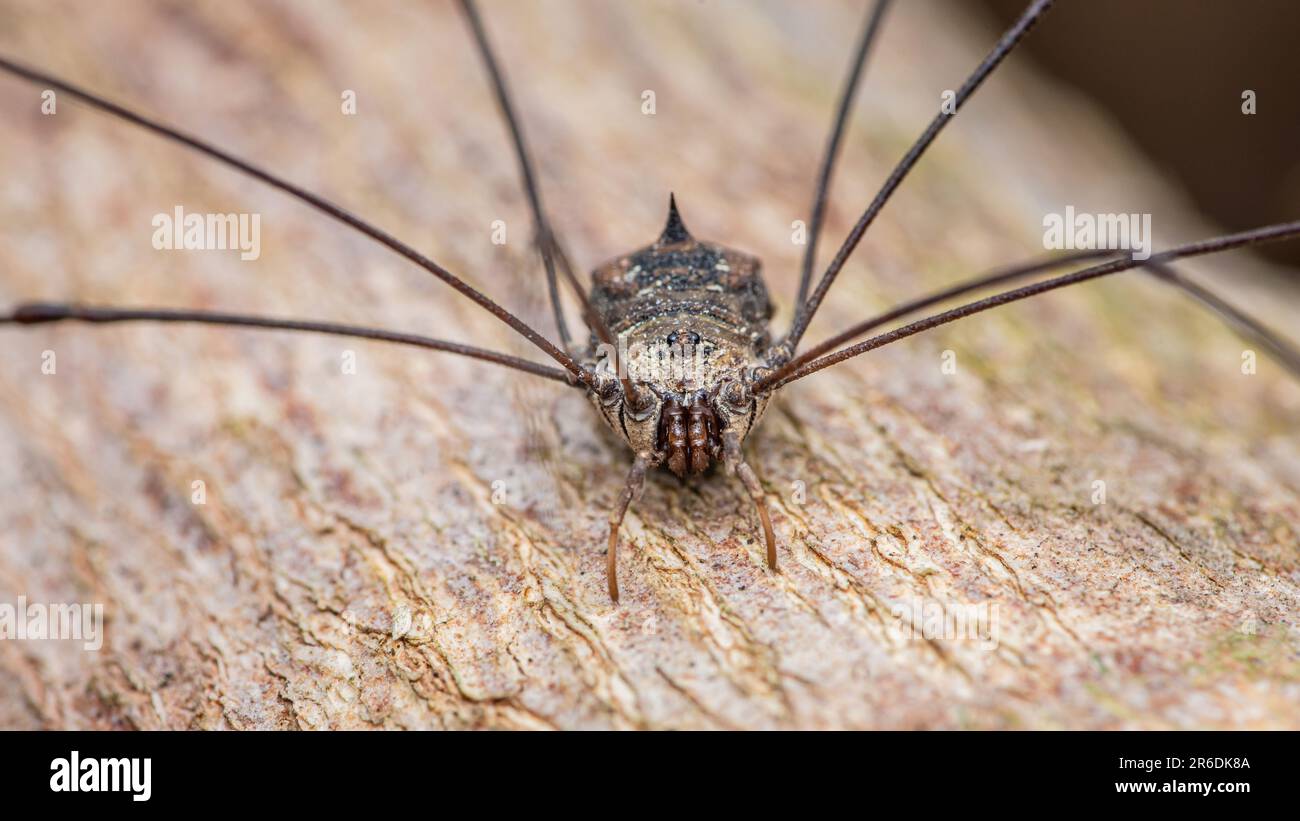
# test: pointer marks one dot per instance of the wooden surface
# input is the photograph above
(350, 567)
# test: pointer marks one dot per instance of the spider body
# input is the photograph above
(692, 320)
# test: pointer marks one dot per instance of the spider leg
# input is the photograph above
(736, 463)
(635, 481)
(1243, 323)
(1258, 236)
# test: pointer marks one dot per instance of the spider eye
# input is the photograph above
(735, 395)
(685, 337)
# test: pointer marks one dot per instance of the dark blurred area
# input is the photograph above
(1172, 73)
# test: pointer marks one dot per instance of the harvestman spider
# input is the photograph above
(684, 292)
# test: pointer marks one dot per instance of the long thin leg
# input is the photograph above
(314, 200)
(833, 146)
(736, 463)
(635, 480)
(1269, 233)
(598, 326)
(37, 313)
(1241, 322)
(547, 242)
(1009, 40)
(1001, 276)
(588, 313)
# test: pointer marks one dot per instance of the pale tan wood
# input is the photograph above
(350, 567)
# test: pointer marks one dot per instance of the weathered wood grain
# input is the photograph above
(350, 567)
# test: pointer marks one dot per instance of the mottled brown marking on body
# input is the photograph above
(679, 276)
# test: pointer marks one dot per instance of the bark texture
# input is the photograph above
(420, 543)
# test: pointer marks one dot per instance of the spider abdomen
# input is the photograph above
(679, 276)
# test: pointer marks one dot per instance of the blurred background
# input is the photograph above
(1140, 61)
